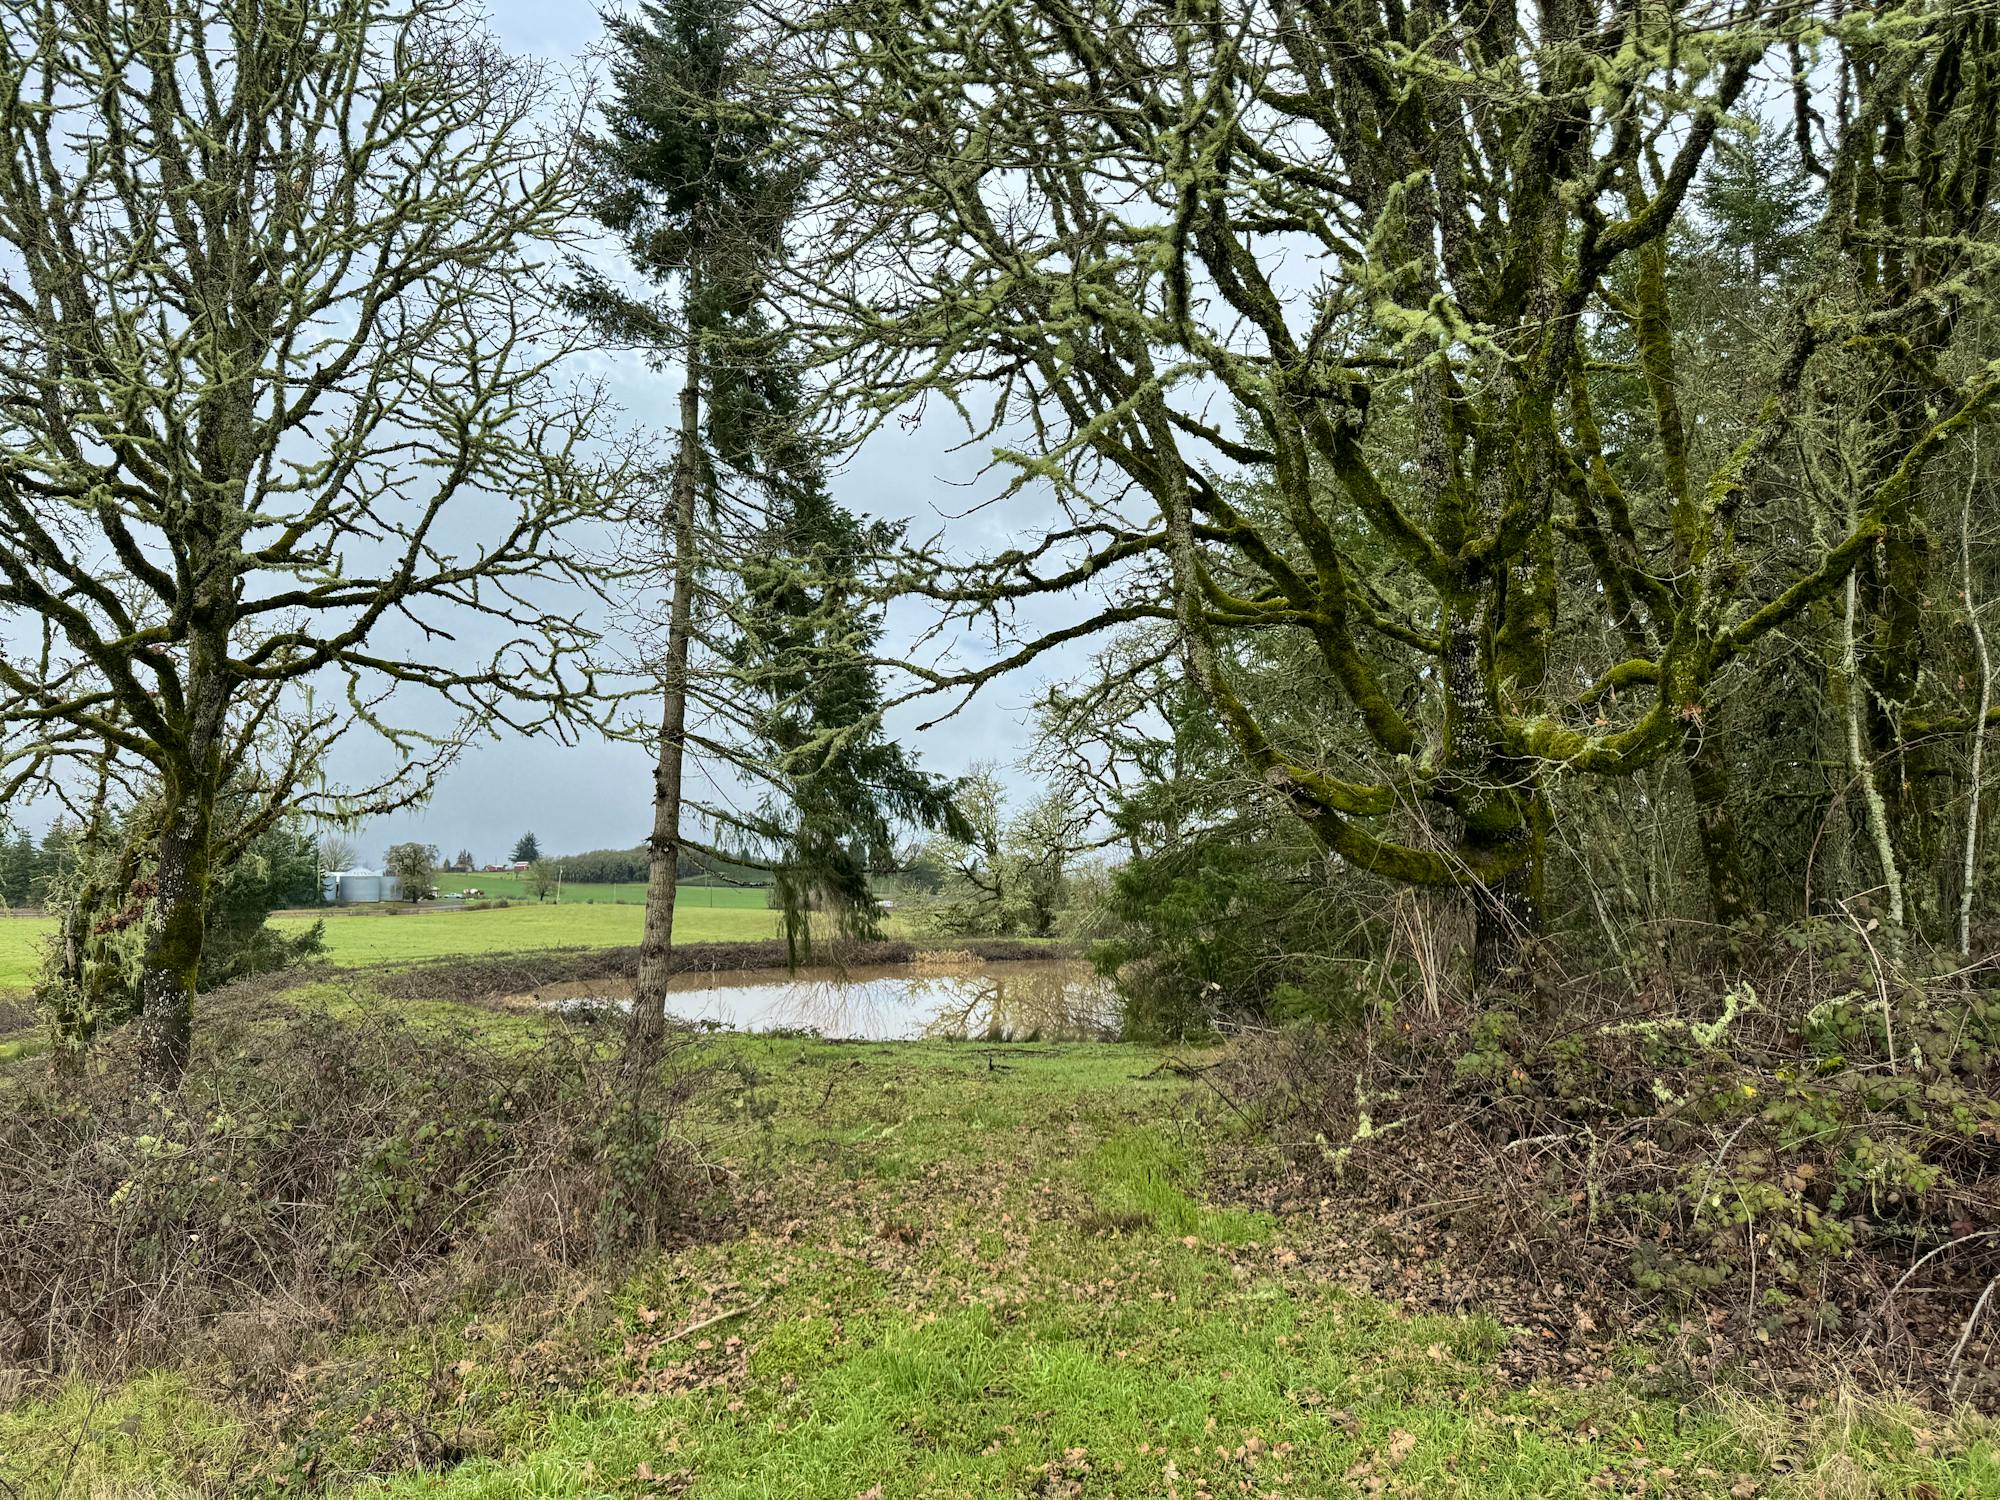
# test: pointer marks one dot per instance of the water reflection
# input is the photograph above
(1026, 1000)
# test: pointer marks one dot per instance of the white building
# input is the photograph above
(346, 887)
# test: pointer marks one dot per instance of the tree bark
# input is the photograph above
(1506, 916)
(646, 1026)
(185, 862)
(174, 932)
(1969, 876)
(1703, 753)
(1880, 830)
(65, 1009)
(1507, 909)
(1501, 810)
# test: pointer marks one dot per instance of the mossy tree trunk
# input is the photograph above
(646, 1025)
(1911, 190)
(1704, 744)
(1395, 438)
(174, 931)
(190, 785)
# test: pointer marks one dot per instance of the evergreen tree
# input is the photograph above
(1759, 199)
(840, 786)
(24, 870)
(527, 849)
(693, 172)
(278, 868)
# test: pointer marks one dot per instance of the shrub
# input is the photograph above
(1220, 930)
(1783, 1151)
(311, 1160)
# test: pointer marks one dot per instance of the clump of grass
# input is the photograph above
(1144, 1175)
(155, 1437)
(1853, 1445)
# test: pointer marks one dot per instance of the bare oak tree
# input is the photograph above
(284, 428)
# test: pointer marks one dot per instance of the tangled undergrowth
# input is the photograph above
(1798, 1164)
(313, 1167)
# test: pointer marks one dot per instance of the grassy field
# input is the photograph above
(21, 950)
(377, 935)
(975, 1273)
(606, 916)
(621, 893)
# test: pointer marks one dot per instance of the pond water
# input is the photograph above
(1025, 1000)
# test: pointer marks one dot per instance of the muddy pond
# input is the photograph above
(1050, 1000)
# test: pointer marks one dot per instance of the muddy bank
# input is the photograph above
(502, 975)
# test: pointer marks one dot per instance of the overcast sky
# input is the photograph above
(598, 795)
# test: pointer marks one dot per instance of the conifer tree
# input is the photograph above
(695, 174)
(838, 784)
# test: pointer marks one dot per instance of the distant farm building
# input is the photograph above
(347, 887)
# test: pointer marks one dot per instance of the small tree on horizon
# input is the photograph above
(335, 852)
(415, 865)
(543, 878)
(526, 849)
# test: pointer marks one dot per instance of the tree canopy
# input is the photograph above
(1351, 333)
(284, 426)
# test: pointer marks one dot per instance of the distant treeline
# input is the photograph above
(619, 866)
(27, 865)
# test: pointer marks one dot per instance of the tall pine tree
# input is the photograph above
(693, 173)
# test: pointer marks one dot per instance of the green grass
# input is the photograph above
(619, 893)
(971, 1271)
(377, 935)
(148, 1437)
(21, 950)
(606, 916)
(16, 1048)
(1002, 1283)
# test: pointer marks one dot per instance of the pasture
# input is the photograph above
(387, 935)
(21, 950)
(506, 886)
(405, 934)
